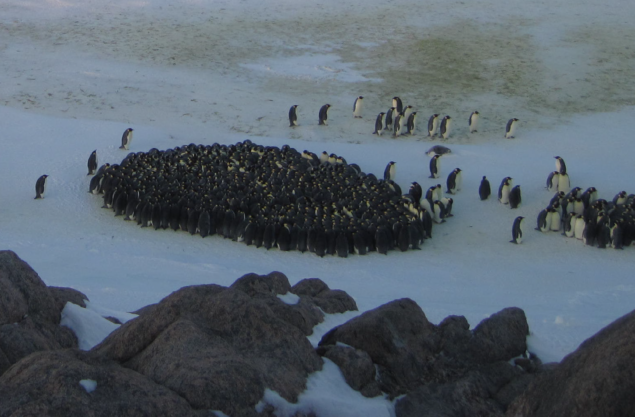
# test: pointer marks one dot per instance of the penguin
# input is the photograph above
(283, 241)
(204, 223)
(578, 206)
(437, 211)
(620, 198)
(603, 236)
(411, 123)
(397, 104)
(40, 187)
(515, 198)
(379, 124)
(580, 225)
(341, 245)
(407, 111)
(433, 125)
(390, 114)
(445, 128)
(510, 128)
(617, 235)
(323, 115)
(561, 167)
(504, 190)
(324, 157)
(438, 150)
(447, 204)
(454, 181)
(473, 121)
(382, 240)
(544, 220)
(391, 171)
(92, 163)
(398, 125)
(126, 139)
(416, 192)
(554, 225)
(293, 116)
(552, 181)
(564, 184)
(569, 225)
(517, 230)
(435, 166)
(357, 107)
(484, 190)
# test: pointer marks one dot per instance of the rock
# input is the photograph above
(598, 379)
(501, 337)
(63, 295)
(399, 339)
(330, 301)
(356, 366)
(29, 313)
(48, 383)
(219, 348)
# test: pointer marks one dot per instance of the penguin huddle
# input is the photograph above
(266, 196)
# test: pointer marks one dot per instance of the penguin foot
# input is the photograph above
(513, 241)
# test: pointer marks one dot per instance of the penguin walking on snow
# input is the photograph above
(398, 124)
(514, 197)
(473, 121)
(391, 171)
(293, 116)
(357, 107)
(126, 139)
(411, 123)
(454, 181)
(504, 189)
(484, 190)
(435, 166)
(517, 230)
(40, 186)
(510, 128)
(433, 125)
(390, 114)
(379, 124)
(323, 115)
(92, 163)
(444, 129)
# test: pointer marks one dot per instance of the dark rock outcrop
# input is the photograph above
(598, 379)
(356, 366)
(29, 313)
(48, 384)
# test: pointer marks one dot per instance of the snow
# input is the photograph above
(76, 74)
(88, 384)
(289, 298)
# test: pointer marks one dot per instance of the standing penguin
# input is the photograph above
(397, 104)
(40, 186)
(391, 171)
(484, 190)
(445, 128)
(504, 190)
(126, 139)
(357, 107)
(379, 124)
(454, 181)
(510, 128)
(293, 117)
(411, 123)
(514, 197)
(473, 121)
(390, 114)
(398, 124)
(561, 167)
(407, 111)
(433, 125)
(564, 184)
(92, 163)
(323, 115)
(544, 220)
(415, 192)
(517, 230)
(552, 181)
(435, 166)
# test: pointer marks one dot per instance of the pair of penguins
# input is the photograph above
(323, 115)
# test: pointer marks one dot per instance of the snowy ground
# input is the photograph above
(75, 74)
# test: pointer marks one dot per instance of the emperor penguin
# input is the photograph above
(435, 166)
(569, 224)
(504, 189)
(323, 115)
(391, 171)
(397, 104)
(40, 187)
(407, 111)
(510, 128)
(379, 124)
(552, 181)
(580, 225)
(473, 121)
(398, 124)
(126, 139)
(517, 230)
(561, 167)
(416, 192)
(617, 235)
(437, 212)
(564, 184)
(484, 190)
(454, 181)
(433, 125)
(514, 197)
(544, 220)
(390, 114)
(357, 107)
(92, 163)
(620, 198)
(555, 220)
(324, 157)
(293, 116)
(411, 123)
(446, 125)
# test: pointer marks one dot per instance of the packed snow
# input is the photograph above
(76, 74)
(88, 384)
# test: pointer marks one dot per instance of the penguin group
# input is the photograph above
(269, 197)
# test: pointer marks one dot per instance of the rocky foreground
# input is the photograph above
(209, 347)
